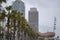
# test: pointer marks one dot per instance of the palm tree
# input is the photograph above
(23, 27)
(11, 22)
(2, 15)
(26, 28)
(8, 16)
(2, 12)
(1, 32)
(14, 22)
(30, 32)
(19, 24)
(15, 18)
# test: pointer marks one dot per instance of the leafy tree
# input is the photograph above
(1, 32)
(16, 21)
(2, 15)
(2, 1)
(1, 29)
(8, 16)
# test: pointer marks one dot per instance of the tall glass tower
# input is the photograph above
(33, 19)
(19, 6)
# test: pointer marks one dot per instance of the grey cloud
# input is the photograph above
(45, 3)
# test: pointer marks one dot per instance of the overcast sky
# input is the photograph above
(47, 10)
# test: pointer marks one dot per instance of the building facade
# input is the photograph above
(19, 6)
(33, 19)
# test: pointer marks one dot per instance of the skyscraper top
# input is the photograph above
(18, 0)
(33, 9)
(19, 6)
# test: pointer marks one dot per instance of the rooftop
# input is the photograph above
(47, 34)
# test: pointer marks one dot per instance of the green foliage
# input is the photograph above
(1, 28)
(16, 17)
(9, 8)
(2, 15)
(2, 1)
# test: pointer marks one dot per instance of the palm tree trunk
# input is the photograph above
(18, 30)
(14, 28)
(22, 31)
(8, 27)
(18, 33)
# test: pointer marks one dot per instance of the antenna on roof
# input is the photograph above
(54, 24)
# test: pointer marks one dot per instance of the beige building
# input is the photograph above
(46, 36)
